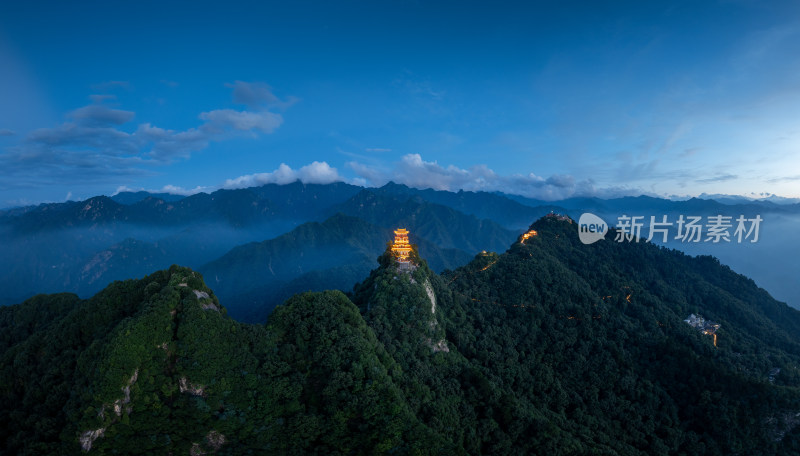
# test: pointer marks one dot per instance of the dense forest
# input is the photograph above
(552, 347)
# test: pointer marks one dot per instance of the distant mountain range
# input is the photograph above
(297, 230)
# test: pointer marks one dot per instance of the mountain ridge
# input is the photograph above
(550, 346)
(81, 246)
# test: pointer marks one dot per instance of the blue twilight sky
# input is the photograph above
(545, 99)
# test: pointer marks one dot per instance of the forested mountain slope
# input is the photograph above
(595, 335)
(154, 366)
(552, 347)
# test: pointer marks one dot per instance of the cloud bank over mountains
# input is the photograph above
(314, 173)
(412, 170)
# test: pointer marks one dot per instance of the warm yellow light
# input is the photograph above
(401, 248)
(529, 234)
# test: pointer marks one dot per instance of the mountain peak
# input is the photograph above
(551, 222)
(401, 294)
(391, 185)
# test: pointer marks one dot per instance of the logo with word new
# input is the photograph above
(591, 228)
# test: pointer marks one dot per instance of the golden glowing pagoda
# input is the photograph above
(401, 248)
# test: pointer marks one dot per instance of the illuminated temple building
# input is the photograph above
(401, 248)
(528, 235)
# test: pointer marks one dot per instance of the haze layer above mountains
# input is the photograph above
(258, 246)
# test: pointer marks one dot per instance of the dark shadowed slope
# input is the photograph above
(439, 224)
(333, 254)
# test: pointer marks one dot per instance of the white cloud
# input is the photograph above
(175, 190)
(283, 175)
(314, 173)
(415, 172)
(318, 173)
(123, 188)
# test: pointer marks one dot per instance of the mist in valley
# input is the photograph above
(84, 260)
(773, 262)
